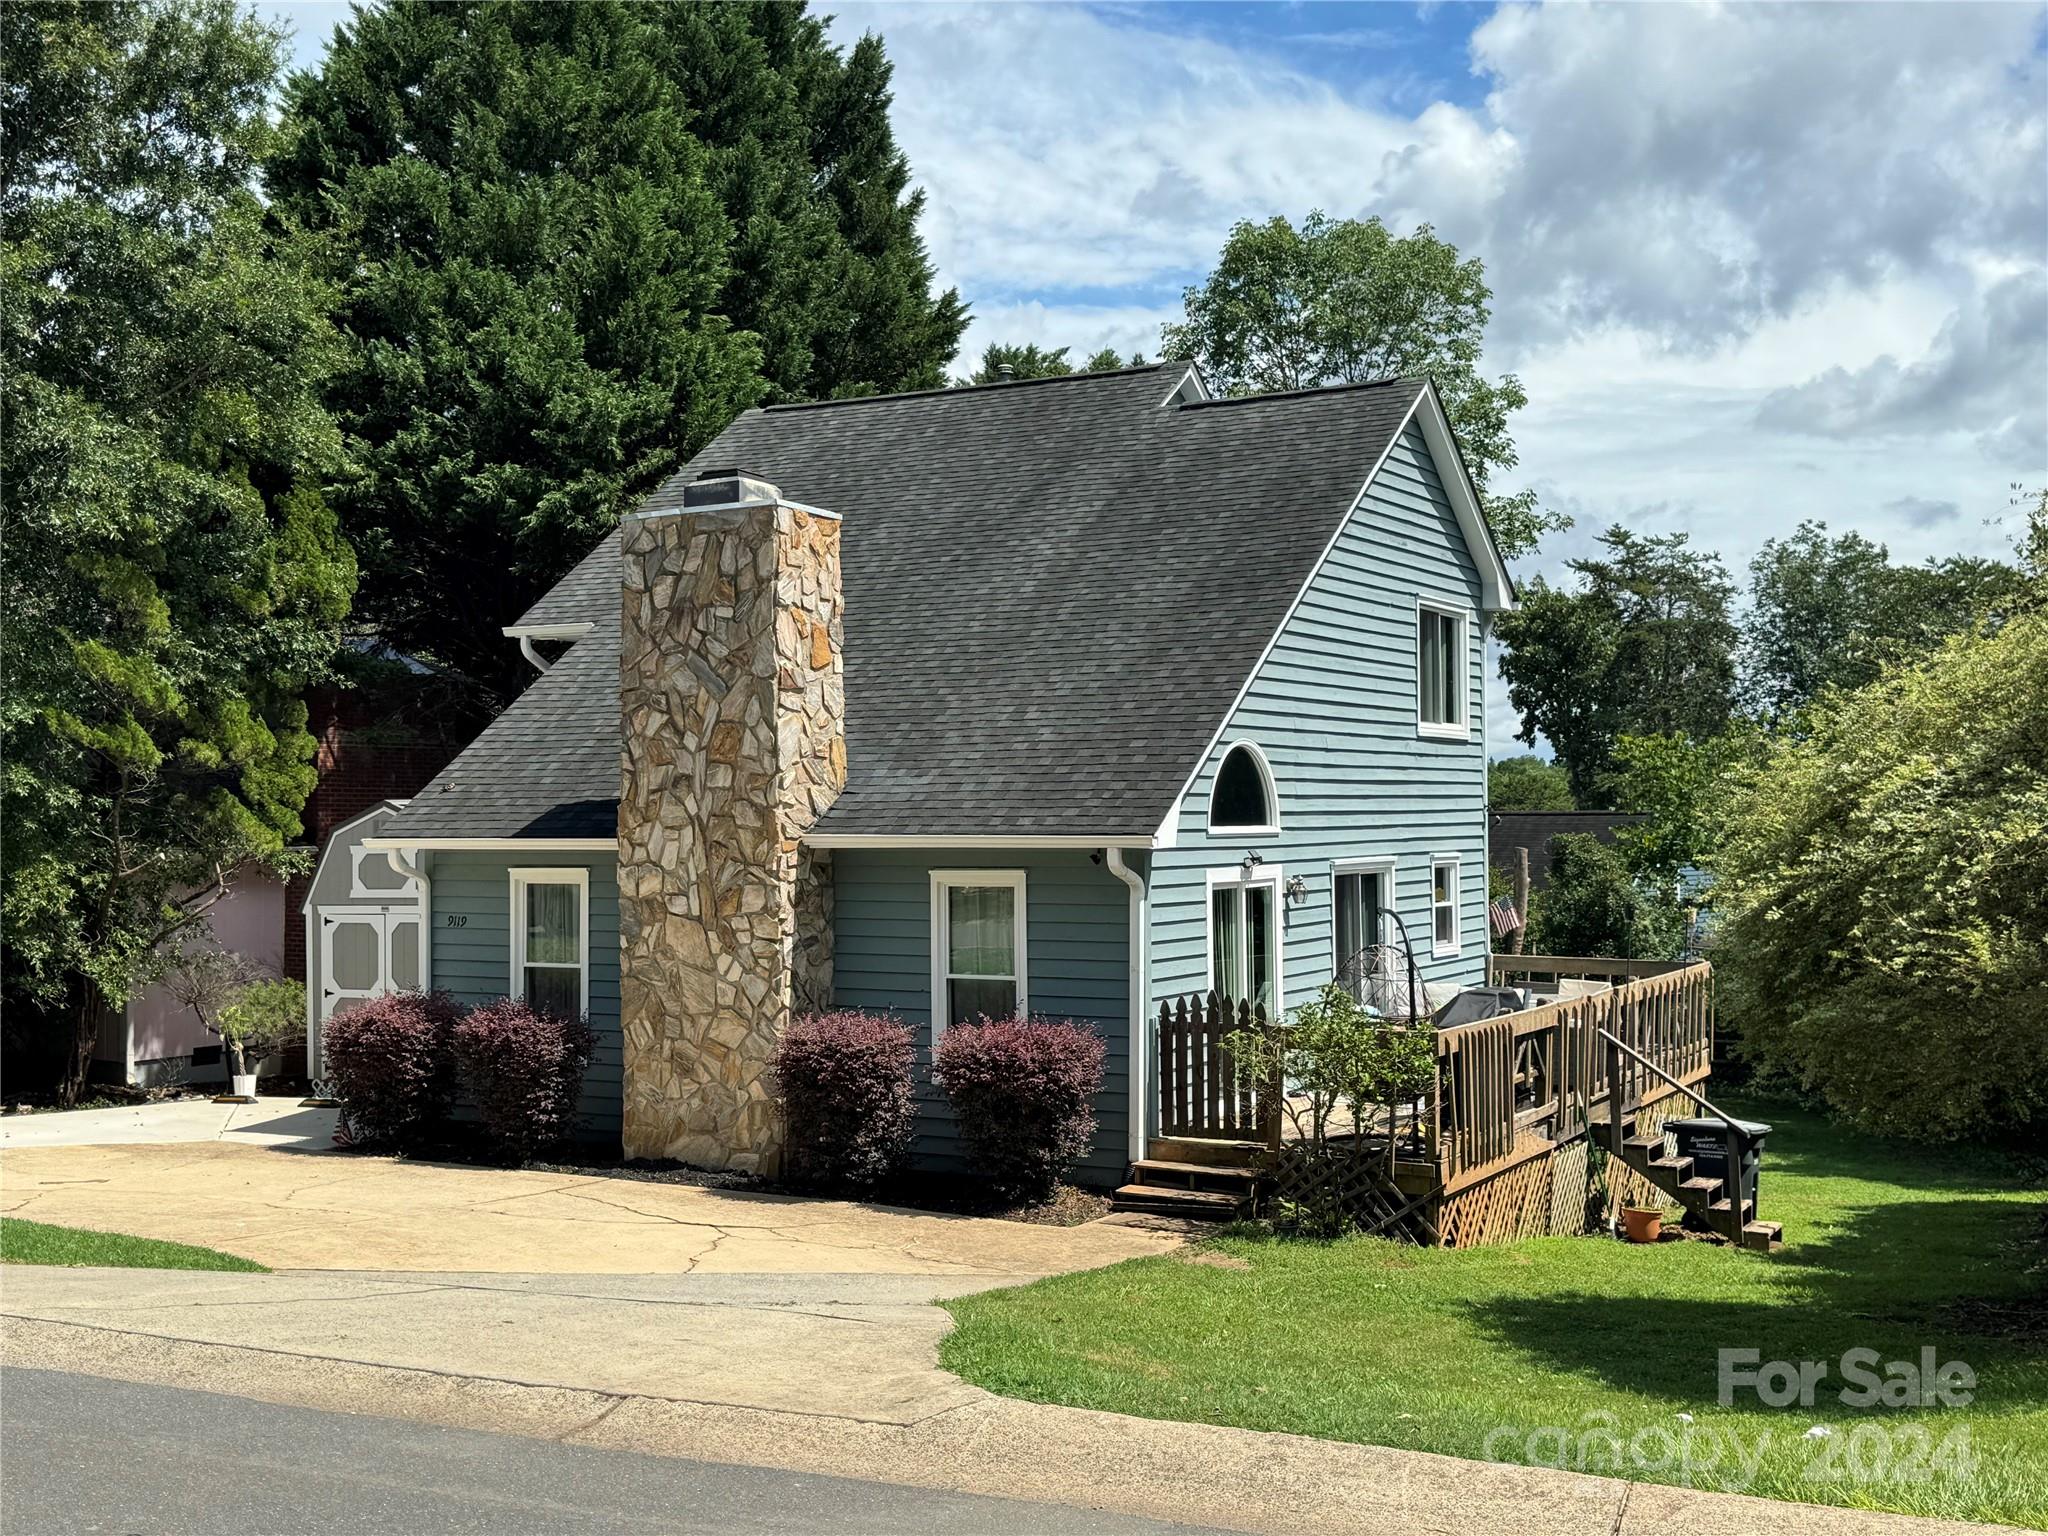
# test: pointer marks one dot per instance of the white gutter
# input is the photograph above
(1140, 1024)
(526, 634)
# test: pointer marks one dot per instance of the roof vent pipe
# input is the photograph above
(1005, 372)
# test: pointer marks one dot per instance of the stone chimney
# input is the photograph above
(732, 699)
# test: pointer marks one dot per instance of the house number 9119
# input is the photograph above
(458, 920)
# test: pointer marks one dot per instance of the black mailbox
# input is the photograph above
(1705, 1141)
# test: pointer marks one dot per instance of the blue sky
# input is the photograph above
(1753, 263)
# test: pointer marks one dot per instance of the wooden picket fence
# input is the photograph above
(1202, 1095)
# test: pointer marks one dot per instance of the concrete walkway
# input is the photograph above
(274, 1122)
(356, 1212)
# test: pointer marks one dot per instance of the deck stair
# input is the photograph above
(1194, 1179)
(1704, 1199)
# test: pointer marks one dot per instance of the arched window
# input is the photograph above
(1242, 799)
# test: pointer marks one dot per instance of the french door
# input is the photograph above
(1244, 936)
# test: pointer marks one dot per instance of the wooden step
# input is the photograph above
(1168, 1175)
(1724, 1210)
(1762, 1236)
(1676, 1169)
(1211, 1154)
(1201, 1204)
(1699, 1189)
(1648, 1146)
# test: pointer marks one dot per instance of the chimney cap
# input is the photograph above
(726, 487)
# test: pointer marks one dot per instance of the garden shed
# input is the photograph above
(363, 927)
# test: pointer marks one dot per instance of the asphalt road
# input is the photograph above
(88, 1455)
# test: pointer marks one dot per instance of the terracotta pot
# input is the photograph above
(1643, 1224)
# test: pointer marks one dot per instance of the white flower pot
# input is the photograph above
(245, 1084)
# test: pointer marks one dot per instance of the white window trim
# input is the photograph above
(1456, 947)
(1237, 876)
(1438, 730)
(561, 874)
(1265, 767)
(1389, 868)
(944, 880)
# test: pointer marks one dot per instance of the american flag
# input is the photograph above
(1505, 918)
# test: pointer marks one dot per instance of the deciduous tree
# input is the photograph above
(1832, 611)
(174, 579)
(1885, 939)
(1346, 301)
(1528, 783)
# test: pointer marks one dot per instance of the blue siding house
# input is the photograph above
(1068, 697)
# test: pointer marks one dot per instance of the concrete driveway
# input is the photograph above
(349, 1211)
(269, 1122)
(667, 1291)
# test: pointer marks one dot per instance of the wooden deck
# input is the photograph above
(1503, 1146)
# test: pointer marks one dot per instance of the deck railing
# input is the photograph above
(1540, 1077)
(1505, 1087)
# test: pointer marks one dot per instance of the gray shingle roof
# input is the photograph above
(1054, 591)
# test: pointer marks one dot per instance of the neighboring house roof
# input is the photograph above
(1054, 590)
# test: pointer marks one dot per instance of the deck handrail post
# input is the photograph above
(1614, 1096)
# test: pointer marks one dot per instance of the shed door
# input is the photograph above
(364, 954)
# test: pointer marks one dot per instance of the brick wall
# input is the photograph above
(359, 765)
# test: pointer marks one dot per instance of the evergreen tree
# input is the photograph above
(1001, 363)
(572, 242)
(173, 579)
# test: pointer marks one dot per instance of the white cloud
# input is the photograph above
(1754, 263)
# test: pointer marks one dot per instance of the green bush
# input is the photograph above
(1593, 906)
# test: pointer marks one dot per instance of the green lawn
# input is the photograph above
(34, 1242)
(1551, 1351)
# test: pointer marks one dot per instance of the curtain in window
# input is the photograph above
(1430, 658)
(552, 929)
(1258, 903)
(981, 952)
(1226, 934)
(554, 950)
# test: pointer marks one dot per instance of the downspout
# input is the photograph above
(526, 649)
(1140, 1024)
(407, 870)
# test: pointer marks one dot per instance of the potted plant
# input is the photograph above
(1642, 1223)
(260, 1018)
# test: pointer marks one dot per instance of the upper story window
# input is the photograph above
(1441, 683)
(1242, 799)
(551, 940)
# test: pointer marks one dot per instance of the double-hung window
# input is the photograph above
(1440, 672)
(1443, 906)
(978, 950)
(551, 940)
